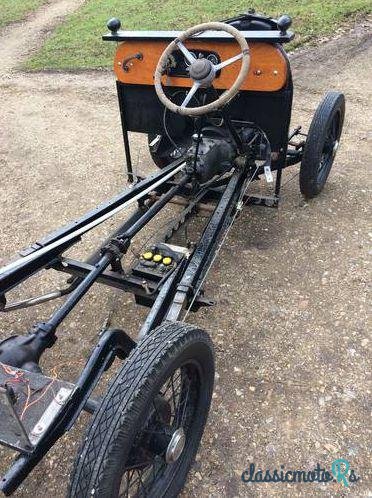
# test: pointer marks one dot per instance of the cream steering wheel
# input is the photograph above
(202, 71)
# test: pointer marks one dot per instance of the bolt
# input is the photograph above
(146, 287)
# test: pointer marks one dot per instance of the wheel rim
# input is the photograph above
(329, 148)
(161, 441)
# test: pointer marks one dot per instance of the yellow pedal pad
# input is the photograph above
(147, 255)
(157, 258)
(167, 261)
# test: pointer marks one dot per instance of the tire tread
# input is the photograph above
(332, 102)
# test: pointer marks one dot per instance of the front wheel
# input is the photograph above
(321, 144)
(144, 436)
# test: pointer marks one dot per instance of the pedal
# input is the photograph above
(29, 404)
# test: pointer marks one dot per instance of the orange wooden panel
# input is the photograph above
(267, 72)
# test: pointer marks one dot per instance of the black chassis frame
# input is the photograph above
(180, 291)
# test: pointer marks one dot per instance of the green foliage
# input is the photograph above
(15, 10)
(77, 43)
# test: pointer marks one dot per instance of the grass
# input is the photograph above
(16, 10)
(77, 43)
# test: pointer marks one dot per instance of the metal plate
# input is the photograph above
(12, 431)
(49, 415)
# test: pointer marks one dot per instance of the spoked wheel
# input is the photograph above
(322, 143)
(145, 434)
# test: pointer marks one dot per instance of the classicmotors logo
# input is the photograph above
(341, 472)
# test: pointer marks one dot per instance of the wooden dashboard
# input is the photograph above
(268, 70)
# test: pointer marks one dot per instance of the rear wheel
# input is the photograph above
(144, 436)
(321, 144)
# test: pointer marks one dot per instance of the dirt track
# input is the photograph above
(290, 327)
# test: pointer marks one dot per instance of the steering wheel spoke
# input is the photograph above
(227, 62)
(190, 94)
(186, 52)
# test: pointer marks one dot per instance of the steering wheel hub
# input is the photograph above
(201, 69)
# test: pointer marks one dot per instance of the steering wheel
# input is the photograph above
(202, 71)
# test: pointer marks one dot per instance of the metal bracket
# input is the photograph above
(201, 301)
(49, 415)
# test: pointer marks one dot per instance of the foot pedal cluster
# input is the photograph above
(29, 404)
(154, 266)
(159, 260)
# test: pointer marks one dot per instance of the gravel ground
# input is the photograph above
(293, 385)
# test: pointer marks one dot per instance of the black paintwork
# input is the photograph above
(114, 343)
(142, 112)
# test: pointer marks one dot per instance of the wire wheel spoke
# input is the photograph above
(133, 447)
(328, 151)
(138, 481)
(169, 411)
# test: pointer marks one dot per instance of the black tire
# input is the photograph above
(126, 426)
(321, 144)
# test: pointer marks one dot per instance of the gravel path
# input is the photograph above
(290, 327)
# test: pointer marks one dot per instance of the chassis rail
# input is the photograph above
(45, 251)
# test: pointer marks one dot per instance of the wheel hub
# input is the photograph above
(335, 147)
(176, 446)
